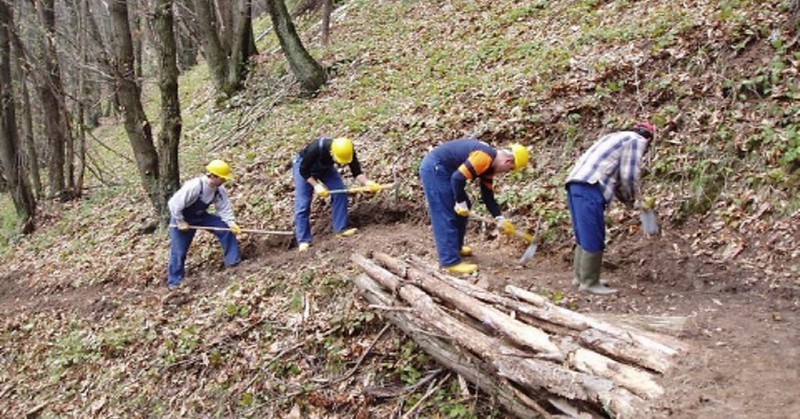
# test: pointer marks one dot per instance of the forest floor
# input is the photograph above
(742, 336)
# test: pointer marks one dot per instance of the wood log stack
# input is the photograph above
(536, 358)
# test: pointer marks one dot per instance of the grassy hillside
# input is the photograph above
(86, 327)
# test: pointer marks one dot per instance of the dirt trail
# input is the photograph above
(745, 354)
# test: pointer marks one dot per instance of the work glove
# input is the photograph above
(183, 225)
(504, 226)
(235, 229)
(321, 190)
(462, 209)
(373, 186)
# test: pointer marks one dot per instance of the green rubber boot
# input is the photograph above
(591, 263)
(576, 264)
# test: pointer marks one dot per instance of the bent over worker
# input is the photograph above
(314, 172)
(609, 169)
(189, 207)
(444, 173)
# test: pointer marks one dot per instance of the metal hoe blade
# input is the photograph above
(530, 252)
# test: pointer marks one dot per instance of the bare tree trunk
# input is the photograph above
(186, 39)
(13, 172)
(84, 93)
(243, 46)
(171, 123)
(308, 72)
(216, 55)
(70, 78)
(226, 16)
(327, 9)
(137, 35)
(101, 54)
(28, 146)
(51, 94)
(136, 124)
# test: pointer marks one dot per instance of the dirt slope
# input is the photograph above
(742, 335)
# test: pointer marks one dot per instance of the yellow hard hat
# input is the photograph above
(521, 156)
(342, 150)
(220, 169)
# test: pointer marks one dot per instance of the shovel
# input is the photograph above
(244, 230)
(357, 189)
(649, 220)
(532, 240)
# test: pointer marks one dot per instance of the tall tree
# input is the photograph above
(242, 46)
(227, 57)
(51, 94)
(171, 123)
(136, 124)
(308, 71)
(13, 171)
(187, 38)
(20, 71)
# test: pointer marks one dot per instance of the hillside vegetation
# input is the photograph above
(88, 327)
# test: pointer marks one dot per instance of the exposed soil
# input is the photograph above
(743, 334)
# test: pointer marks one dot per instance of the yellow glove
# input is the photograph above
(462, 209)
(235, 229)
(506, 227)
(649, 203)
(321, 190)
(373, 186)
(183, 225)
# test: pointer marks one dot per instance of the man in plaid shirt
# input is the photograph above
(609, 169)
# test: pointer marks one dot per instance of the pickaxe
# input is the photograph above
(244, 230)
(533, 240)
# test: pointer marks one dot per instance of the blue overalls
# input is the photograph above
(197, 214)
(449, 229)
(587, 209)
(303, 195)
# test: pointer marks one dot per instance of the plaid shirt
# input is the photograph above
(615, 163)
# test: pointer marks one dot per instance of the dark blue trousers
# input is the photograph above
(180, 241)
(304, 194)
(448, 227)
(587, 208)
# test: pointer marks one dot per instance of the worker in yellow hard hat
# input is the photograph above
(445, 172)
(188, 208)
(314, 171)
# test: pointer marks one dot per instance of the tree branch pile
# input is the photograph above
(538, 359)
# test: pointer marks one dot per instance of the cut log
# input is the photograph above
(544, 312)
(472, 368)
(671, 325)
(515, 330)
(634, 379)
(555, 360)
(602, 326)
(508, 361)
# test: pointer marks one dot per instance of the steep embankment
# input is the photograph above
(86, 327)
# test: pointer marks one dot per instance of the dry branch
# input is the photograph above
(571, 363)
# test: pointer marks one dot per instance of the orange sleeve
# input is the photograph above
(477, 163)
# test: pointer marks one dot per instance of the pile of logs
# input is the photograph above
(536, 358)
